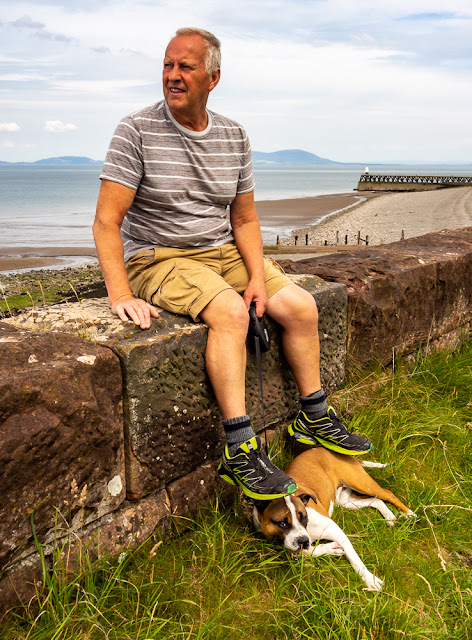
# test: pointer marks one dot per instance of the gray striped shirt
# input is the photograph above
(184, 180)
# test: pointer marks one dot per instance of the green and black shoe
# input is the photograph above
(329, 432)
(251, 469)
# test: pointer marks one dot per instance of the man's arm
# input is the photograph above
(114, 200)
(247, 235)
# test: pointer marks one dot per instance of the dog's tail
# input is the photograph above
(373, 465)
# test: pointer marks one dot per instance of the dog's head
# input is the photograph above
(285, 519)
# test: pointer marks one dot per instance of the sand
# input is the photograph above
(384, 219)
(381, 217)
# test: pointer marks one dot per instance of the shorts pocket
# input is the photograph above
(175, 291)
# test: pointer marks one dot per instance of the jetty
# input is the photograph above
(388, 182)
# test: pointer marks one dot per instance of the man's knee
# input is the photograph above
(227, 312)
(293, 305)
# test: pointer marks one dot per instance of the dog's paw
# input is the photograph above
(334, 549)
(373, 583)
(410, 514)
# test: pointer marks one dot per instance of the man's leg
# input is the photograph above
(244, 461)
(295, 310)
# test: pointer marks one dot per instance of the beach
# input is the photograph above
(389, 217)
(382, 217)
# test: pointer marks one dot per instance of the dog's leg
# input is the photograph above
(327, 549)
(356, 478)
(347, 499)
(323, 528)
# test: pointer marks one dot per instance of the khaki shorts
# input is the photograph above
(184, 281)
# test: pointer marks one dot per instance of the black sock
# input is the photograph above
(314, 405)
(238, 430)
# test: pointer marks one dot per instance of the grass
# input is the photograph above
(221, 581)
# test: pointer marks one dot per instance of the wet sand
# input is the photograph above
(15, 258)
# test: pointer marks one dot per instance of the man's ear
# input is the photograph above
(215, 78)
(306, 497)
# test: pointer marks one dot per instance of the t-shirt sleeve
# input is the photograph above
(246, 180)
(124, 159)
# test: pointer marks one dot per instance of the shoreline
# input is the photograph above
(380, 215)
(279, 216)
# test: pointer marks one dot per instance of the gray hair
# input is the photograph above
(212, 44)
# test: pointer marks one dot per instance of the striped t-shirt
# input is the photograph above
(184, 180)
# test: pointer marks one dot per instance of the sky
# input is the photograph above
(363, 81)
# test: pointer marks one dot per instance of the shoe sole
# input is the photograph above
(314, 440)
(226, 475)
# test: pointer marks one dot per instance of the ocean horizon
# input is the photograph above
(54, 205)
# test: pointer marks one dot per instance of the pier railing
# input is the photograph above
(399, 179)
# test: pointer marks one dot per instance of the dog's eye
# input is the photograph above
(303, 519)
(283, 524)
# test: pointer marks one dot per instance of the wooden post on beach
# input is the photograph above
(278, 239)
(403, 234)
(345, 239)
(306, 239)
(337, 237)
(296, 240)
(358, 237)
(367, 240)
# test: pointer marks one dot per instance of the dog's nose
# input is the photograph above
(303, 542)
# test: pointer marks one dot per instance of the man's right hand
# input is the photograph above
(139, 311)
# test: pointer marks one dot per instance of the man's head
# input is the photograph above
(191, 71)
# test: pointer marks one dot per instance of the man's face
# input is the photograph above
(185, 81)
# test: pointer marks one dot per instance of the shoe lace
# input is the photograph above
(253, 467)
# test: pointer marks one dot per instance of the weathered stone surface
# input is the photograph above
(61, 437)
(172, 422)
(22, 584)
(188, 494)
(401, 295)
(118, 532)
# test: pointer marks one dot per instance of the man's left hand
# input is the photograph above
(256, 292)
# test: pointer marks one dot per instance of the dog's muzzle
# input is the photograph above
(303, 542)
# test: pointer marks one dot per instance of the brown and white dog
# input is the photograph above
(325, 479)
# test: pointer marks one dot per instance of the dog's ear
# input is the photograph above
(305, 497)
(261, 505)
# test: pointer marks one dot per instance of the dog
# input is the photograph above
(325, 479)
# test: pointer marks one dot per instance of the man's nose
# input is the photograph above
(174, 73)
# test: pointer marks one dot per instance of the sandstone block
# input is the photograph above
(172, 421)
(61, 437)
(402, 295)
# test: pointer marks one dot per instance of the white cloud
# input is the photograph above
(57, 126)
(9, 126)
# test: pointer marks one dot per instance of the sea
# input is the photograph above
(53, 206)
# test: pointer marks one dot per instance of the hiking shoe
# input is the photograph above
(251, 469)
(330, 432)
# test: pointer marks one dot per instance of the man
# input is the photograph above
(173, 173)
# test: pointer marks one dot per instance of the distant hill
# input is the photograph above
(259, 158)
(288, 157)
(62, 160)
(68, 160)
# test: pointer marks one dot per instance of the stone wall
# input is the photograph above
(402, 296)
(108, 432)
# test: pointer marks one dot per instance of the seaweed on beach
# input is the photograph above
(21, 291)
